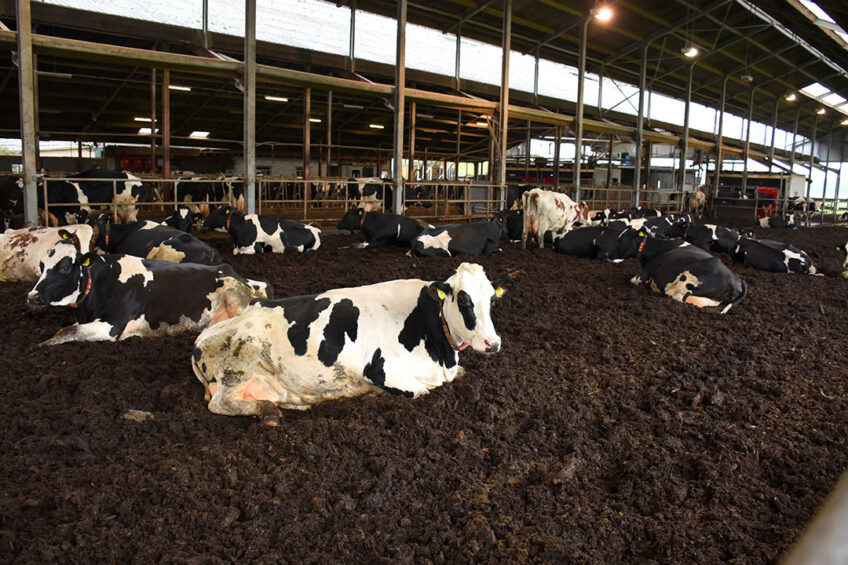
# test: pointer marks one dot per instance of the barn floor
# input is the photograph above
(615, 426)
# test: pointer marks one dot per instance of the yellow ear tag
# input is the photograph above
(227, 211)
(641, 233)
(87, 262)
(65, 235)
(441, 294)
(499, 291)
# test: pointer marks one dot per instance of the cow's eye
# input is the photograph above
(65, 269)
(463, 300)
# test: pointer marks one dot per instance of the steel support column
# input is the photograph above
(351, 60)
(773, 132)
(536, 81)
(810, 169)
(839, 173)
(400, 104)
(250, 107)
(826, 170)
(166, 128)
(329, 131)
(557, 141)
(684, 142)
(527, 153)
(26, 101)
(747, 147)
(458, 146)
(307, 137)
(637, 155)
(578, 133)
(456, 79)
(792, 155)
(205, 29)
(506, 45)
(153, 121)
(413, 114)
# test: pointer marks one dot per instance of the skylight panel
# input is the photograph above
(833, 99)
(815, 90)
(817, 10)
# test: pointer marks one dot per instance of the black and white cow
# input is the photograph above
(11, 194)
(580, 242)
(844, 250)
(787, 221)
(255, 233)
(512, 223)
(772, 256)
(475, 238)
(96, 186)
(688, 274)
(371, 191)
(22, 251)
(120, 296)
(709, 237)
(182, 219)
(382, 229)
(401, 337)
(151, 240)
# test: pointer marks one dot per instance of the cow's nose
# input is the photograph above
(492, 346)
(35, 299)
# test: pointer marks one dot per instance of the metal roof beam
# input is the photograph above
(468, 14)
(666, 30)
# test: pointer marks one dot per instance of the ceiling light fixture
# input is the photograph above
(481, 124)
(353, 106)
(821, 111)
(199, 134)
(315, 120)
(689, 50)
(376, 126)
(177, 87)
(747, 77)
(844, 122)
(602, 14)
(791, 97)
(140, 119)
(146, 131)
(276, 99)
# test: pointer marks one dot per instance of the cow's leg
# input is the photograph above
(92, 331)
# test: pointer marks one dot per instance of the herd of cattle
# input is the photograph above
(256, 354)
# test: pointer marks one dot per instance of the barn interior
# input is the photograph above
(100, 80)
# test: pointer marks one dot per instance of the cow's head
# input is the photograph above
(65, 275)
(218, 218)
(511, 223)
(102, 225)
(466, 299)
(844, 250)
(352, 220)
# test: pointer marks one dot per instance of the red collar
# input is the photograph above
(229, 217)
(642, 246)
(362, 221)
(87, 290)
(450, 338)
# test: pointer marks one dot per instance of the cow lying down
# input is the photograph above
(255, 233)
(21, 251)
(772, 256)
(688, 274)
(121, 296)
(402, 337)
(152, 240)
(476, 238)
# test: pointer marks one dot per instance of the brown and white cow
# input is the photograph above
(696, 201)
(22, 251)
(545, 210)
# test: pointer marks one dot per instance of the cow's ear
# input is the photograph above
(504, 287)
(87, 259)
(65, 234)
(439, 290)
